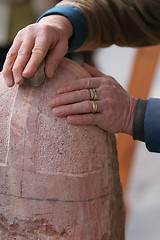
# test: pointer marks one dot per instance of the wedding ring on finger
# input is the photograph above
(93, 94)
(94, 106)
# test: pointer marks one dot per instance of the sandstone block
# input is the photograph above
(57, 181)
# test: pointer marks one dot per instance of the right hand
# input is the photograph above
(31, 45)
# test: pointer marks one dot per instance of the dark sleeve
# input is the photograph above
(138, 121)
(146, 123)
(152, 125)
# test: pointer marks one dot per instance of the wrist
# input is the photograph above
(132, 107)
(59, 20)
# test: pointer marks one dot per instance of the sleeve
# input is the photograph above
(138, 120)
(152, 125)
(79, 23)
(131, 23)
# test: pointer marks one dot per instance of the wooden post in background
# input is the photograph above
(141, 80)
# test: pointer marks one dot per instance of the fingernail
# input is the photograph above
(18, 80)
(57, 111)
(8, 82)
(26, 73)
(52, 102)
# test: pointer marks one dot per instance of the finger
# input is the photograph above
(24, 54)
(9, 62)
(55, 56)
(77, 108)
(70, 97)
(85, 119)
(92, 70)
(38, 53)
(80, 84)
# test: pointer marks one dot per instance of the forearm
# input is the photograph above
(131, 23)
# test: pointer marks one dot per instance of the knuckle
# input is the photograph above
(112, 81)
(46, 28)
(11, 55)
(108, 85)
(28, 30)
(23, 51)
(103, 80)
(20, 33)
(107, 82)
(38, 50)
(87, 83)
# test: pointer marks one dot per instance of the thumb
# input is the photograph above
(92, 70)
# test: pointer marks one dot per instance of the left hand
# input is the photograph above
(114, 107)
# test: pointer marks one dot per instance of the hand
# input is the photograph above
(115, 107)
(31, 45)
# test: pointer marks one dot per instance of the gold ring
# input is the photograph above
(94, 107)
(93, 94)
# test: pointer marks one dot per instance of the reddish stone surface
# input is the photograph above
(58, 182)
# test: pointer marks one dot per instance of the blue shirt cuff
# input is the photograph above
(152, 125)
(79, 23)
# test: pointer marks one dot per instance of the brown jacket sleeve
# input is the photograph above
(132, 23)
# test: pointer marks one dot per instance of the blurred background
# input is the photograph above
(139, 169)
(138, 71)
(16, 14)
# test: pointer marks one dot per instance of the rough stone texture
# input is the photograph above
(58, 182)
